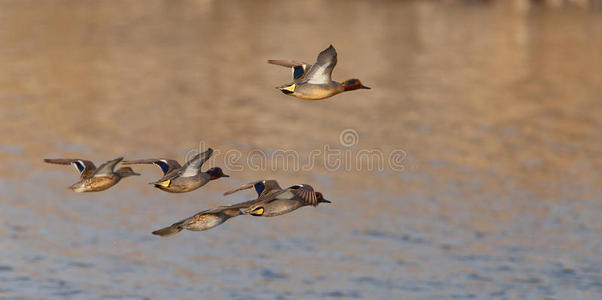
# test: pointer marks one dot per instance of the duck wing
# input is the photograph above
(321, 71)
(166, 165)
(106, 168)
(84, 167)
(193, 166)
(287, 63)
(261, 187)
(298, 68)
(190, 168)
(303, 192)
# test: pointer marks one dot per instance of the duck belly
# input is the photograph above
(97, 184)
(316, 92)
(280, 207)
(205, 221)
(182, 185)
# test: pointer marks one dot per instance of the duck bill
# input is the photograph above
(225, 175)
(365, 87)
(325, 201)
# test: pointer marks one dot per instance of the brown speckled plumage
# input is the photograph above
(206, 219)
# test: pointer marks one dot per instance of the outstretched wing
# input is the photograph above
(84, 167)
(166, 165)
(298, 68)
(286, 63)
(107, 168)
(261, 187)
(321, 71)
(193, 166)
(190, 168)
(302, 191)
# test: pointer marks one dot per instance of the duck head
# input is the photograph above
(353, 84)
(321, 199)
(216, 173)
(126, 171)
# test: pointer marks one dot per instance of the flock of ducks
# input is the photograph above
(310, 82)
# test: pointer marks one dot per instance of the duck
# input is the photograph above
(182, 179)
(314, 82)
(274, 201)
(204, 220)
(94, 179)
(211, 218)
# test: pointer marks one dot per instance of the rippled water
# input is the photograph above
(495, 105)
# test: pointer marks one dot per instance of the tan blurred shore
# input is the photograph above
(502, 90)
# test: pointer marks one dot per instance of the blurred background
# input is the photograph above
(495, 104)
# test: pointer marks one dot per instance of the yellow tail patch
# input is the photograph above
(165, 183)
(290, 88)
(258, 212)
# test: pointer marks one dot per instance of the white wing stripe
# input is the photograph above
(319, 77)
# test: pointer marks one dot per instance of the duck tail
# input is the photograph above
(287, 88)
(169, 230)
